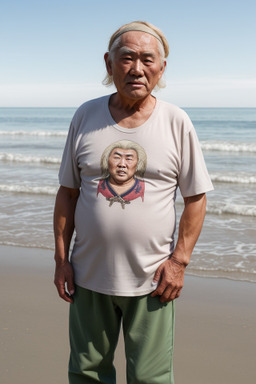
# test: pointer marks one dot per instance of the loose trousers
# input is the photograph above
(148, 330)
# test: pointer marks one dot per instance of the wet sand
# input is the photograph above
(215, 326)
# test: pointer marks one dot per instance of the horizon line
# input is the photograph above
(75, 107)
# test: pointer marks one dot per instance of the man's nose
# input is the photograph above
(122, 162)
(137, 68)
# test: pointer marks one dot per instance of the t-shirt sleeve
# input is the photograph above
(69, 173)
(193, 177)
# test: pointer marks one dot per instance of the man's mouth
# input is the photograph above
(138, 83)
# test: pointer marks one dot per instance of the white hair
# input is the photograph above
(124, 144)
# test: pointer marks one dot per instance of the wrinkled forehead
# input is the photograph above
(126, 152)
(139, 40)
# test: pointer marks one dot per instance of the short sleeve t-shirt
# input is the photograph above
(121, 239)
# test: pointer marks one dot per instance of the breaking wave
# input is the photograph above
(223, 146)
(20, 158)
(34, 190)
(233, 178)
(34, 133)
(228, 208)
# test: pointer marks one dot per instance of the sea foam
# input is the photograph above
(223, 146)
(20, 158)
(35, 190)
(233, 209)
(233, 178)
(34, 133)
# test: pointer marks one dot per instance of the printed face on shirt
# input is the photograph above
(122, 165)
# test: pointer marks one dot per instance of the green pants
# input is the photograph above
(148, 327)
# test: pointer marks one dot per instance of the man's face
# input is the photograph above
(122, 165)
(136, 67)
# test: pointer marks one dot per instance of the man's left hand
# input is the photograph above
(170, 279)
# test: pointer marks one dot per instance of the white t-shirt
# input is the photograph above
(121, 240)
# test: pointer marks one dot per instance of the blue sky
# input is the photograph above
(52, 51)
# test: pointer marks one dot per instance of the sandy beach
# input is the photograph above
(215, 326)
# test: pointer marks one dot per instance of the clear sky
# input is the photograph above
(52, 50)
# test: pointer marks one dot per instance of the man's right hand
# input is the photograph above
(64, 281)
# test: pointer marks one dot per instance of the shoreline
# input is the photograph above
(215, 326)
(233, 275)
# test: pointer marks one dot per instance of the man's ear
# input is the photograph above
(108, 63)
(163, 67)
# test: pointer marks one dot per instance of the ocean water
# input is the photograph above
(31, 145)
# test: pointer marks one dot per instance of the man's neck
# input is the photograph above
(131, 113)
(123, 187)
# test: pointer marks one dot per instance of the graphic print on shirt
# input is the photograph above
(123, 165)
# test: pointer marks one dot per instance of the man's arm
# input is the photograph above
(170, 274)
(64, 211)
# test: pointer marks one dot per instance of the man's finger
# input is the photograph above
(63, 294)
(158, 291)
(70, 286)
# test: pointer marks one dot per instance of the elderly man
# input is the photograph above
(124, 267)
